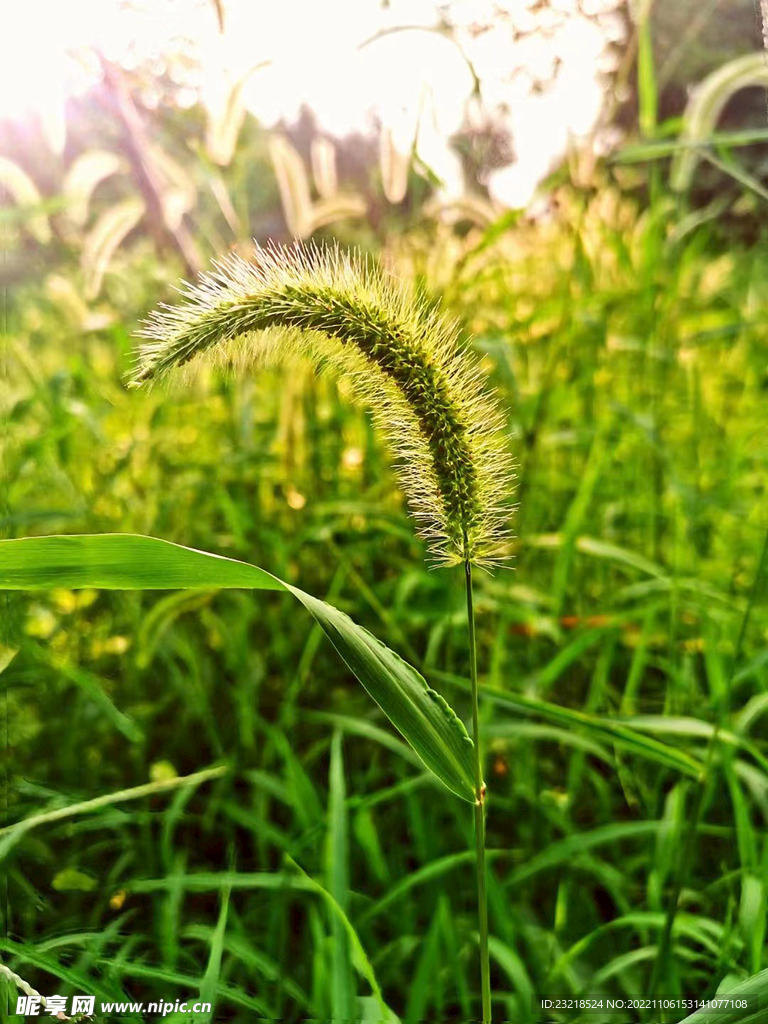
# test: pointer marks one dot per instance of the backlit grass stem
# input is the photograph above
(482, 902)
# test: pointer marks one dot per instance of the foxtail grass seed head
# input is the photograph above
(426, 391)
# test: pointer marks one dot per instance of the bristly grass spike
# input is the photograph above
(425, 389)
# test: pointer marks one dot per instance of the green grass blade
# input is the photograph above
(225, 993)
(647, 86)
(130, 562)
(121, 561)
(418, 712)
(337, 876)
(210, 980)
(576, 515)
(14, 832)
(240, 948)
(755, 989)
(706, 105)
(95, 690)
(428, 966)
(598, 728)
(562, 852)
(80, 982)
(358, 955)
(514, 968)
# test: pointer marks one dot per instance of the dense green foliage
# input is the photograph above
(623, 659)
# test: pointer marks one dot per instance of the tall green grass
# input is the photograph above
(630, 357)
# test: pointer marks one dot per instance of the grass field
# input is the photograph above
(244, 787)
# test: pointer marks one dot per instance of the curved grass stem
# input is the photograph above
(482, 902)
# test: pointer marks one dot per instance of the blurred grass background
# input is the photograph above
(624, 330)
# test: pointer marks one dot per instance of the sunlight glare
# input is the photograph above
(542, 87)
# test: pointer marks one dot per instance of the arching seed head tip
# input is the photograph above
(402, 356)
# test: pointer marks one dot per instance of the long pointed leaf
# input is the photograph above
(130, 562)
